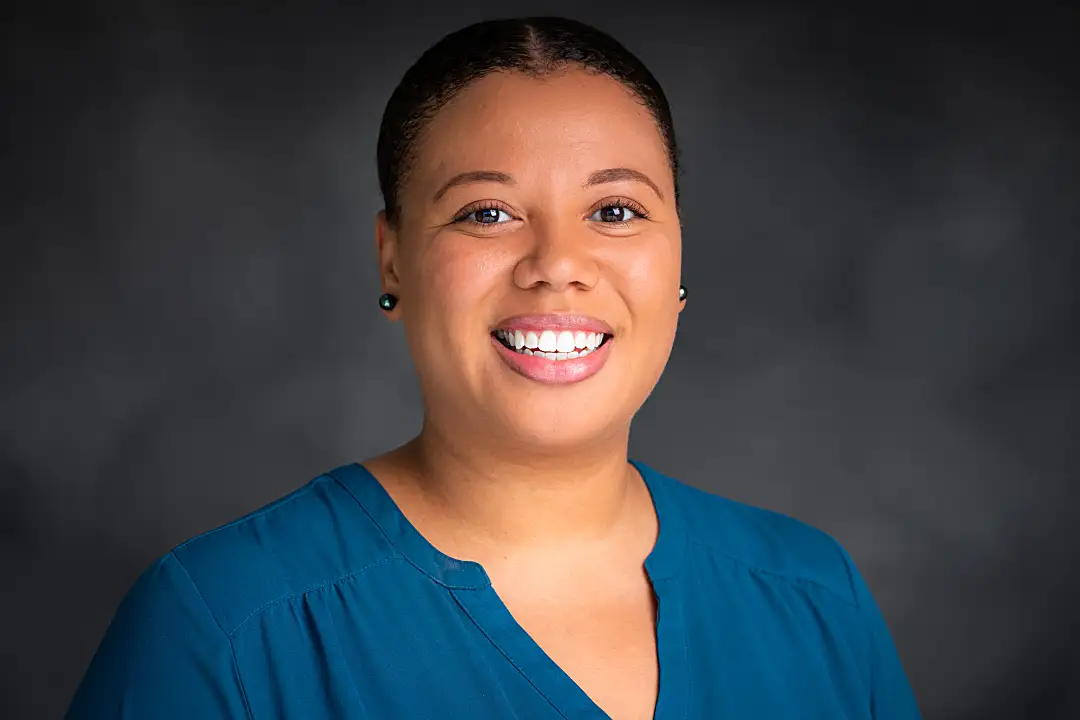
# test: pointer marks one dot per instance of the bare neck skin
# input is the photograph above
(492, 504)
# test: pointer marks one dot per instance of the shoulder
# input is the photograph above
(313, 537)
(762, 540)
(168, 651)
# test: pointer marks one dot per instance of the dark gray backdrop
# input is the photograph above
(881, 217)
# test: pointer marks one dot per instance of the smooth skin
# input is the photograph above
(531, 480)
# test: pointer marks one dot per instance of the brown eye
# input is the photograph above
(614, 213)
(619, 213)
(484, 216)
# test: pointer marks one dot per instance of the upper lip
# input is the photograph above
(585, 323)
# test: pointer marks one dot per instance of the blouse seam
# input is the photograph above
(239, 681)
(688, 664)
(506, 655)
(862, 625)
(389, 538)
(228, 638)
(850, 579)
(792, 579)
(314, 588)
(279, 503)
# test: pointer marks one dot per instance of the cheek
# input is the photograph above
(650, 280)
(650, 289)
(449, 281)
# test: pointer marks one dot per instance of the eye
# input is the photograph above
(619, 212)
(484, 215)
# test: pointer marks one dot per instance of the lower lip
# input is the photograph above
(555, 372)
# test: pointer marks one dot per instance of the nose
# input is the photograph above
(558, 259)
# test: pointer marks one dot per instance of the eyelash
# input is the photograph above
(640, 212)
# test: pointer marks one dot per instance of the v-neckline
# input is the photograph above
(471, 587)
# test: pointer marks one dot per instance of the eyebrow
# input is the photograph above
(474, 176)
(611, 175)
(600, 177)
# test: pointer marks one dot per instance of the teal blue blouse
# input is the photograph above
(328, 603)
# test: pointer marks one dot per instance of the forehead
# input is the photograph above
(569, 123)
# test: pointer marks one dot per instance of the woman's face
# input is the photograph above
(537, 260)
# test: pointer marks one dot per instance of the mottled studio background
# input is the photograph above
(881, 228)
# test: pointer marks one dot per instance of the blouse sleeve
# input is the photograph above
(163, 656)
(891, 696)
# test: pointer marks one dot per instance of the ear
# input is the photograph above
(386, 246)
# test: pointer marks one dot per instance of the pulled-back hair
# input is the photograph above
(535, 46)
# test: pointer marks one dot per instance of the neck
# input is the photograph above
(521, 497)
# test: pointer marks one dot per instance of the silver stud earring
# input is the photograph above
(682, 293)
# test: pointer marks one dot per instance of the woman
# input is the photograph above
(509, 562)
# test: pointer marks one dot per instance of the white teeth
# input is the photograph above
(551, 344)
(548, 343)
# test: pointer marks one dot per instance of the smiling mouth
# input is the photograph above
(551, 344)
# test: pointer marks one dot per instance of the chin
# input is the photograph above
(559, 432)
